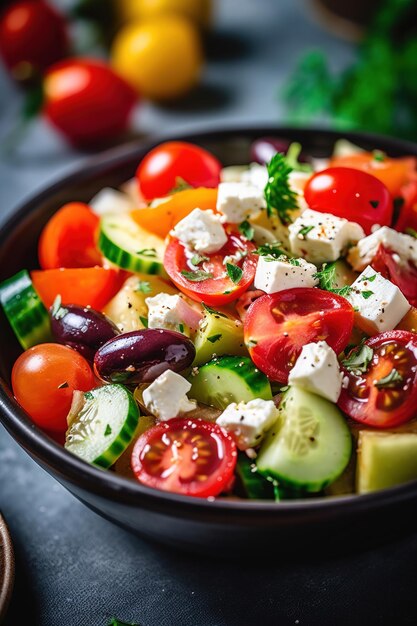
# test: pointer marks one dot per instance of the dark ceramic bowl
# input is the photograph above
(239, 527)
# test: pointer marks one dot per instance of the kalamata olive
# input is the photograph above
(142, 355)
(263, 149)
(81, 328)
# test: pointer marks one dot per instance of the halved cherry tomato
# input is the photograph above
(398, 271)
(217, 288)
(44, 379)
(277, 326)
(161, 218)
(69, 238)
(349, 193)
(385, 395)
(407, 215)
(187, 456)
(174, 162)
(244, 302)
(394, 173)
(93, 287)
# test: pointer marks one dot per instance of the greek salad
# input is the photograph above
(245, 331)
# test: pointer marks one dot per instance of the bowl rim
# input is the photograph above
(110, 485)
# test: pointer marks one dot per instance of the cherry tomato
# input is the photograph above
(407, 215)
(400, 272)
(394, 173)
(86, 101)
(33, 35)
(69, 238)
(277, 326)
(93, 287)
(170, 163)
(217, 288)
(385, 394)
(187, 456)
(352, 194)
(160, 219)
(44, 379)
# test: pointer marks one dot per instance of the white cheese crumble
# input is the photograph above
(317, 370)
(248, 421)
(166, 397)
(202, 231)
(403, 245)
(110, 200)
(274, 275)
(238, 202)
(170, 312)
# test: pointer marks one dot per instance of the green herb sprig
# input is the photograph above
(280, 198)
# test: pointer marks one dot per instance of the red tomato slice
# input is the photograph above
(400, 272)
(218, 289)
(190, 457)
(278, 326)
(370, 399)
(93, 287)
(407, 217)
(69, 238)
(352, 194)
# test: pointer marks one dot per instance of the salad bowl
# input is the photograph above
(214, 526)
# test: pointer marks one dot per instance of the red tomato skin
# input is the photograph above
(407, 217)
(367, 413)
(402, 274)
(87, 101)
(33, 33)
(210, 291)
(69, 238)
(306, 315)
(223, 467)
(335, 190)
(37, 377)
(160, 169)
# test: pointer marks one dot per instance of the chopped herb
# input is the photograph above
(305, 230)
(150, 252)
(197, 259)
(214, 338)
(144, 321)
(57, 310)
(390, 380)
(144, 286)
(367, 294)
(108, 430)
(379, 155)
(197, 276)
(213, 311)
(369, 279)
(117, 622)
(411, 232)
(181, 328)
(327, 278)
(251, 343)
(374, 203)
(247, 230)
(358, 359)
(292, 158)
(226, 293)
(180, 185)
(63, 386)
(281, 199)
(271, 249)
(234, 272)
(294, 262)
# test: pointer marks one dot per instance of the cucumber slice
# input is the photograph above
(23, 308)
(309, 446)
(102, 424)
(218, 334)
(123, 242)
(229, 379)
(252, 484)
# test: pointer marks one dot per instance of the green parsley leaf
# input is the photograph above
(108, 430)
(378, 155)
(390, 380)
(305, 230)
(327, 278)
(271, 249)
(247, 230)
(234, 272)
(180, 185)
(117, 622)
(358, 359)
(295, 262)
(144, 287)
(368, 279)
(292, 158)
(144, 321)
(197, 259)
(367, 294)
(197, 276)
(411, 232)
(214, 338)
(149, 252)
(213, 311)
(281, 199)
(181, 328)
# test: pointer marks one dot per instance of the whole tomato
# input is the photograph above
(33, 35)
(87, 101)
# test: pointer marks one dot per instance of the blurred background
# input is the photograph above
(77, 76)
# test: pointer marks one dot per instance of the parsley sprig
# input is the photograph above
(390, 380)
(327, 278)
(281, 200)
(358, 359)
(271, 249)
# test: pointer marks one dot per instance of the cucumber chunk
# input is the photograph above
(218, 334)
(309, 446)
(102, 424)
(385, 459)
(250, 482)
(229, 379)
(26, 313)
(123, 242)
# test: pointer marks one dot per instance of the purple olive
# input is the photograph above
(81, 328)
(142, 355)
(263, 149)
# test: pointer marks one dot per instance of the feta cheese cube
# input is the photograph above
(169, 312)
(317, 370)
(298, 180)
(379, 304)
(239, 201)
(256, 175)
(321, 237)
(110, 201)
(404, 246)
(249, 421)
(202, 231)
(166, 397)
(274, 275)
